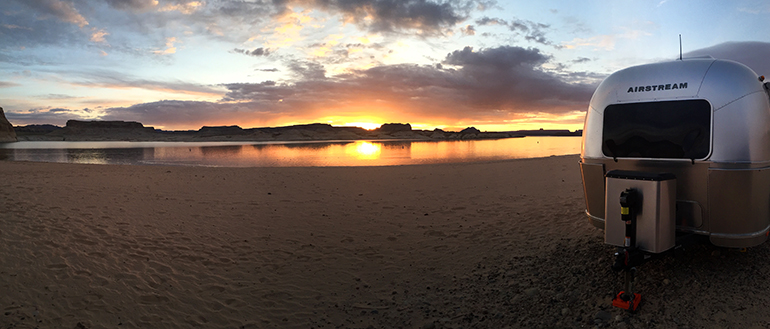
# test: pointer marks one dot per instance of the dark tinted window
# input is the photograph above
(672, 129)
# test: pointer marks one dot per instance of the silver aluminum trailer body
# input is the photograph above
(707, 121)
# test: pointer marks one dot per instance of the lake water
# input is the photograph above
(289, 154)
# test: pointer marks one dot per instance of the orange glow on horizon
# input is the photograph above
(365, 125)
(484, 127)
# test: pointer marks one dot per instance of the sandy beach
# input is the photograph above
(473, 245)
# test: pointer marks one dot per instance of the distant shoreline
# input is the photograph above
(135, 131)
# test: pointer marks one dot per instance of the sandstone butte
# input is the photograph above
(7, 134)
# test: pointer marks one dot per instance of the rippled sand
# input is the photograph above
(485, 245)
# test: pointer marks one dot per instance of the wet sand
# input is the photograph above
(475, 245)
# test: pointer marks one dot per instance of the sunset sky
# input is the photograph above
(494, 65)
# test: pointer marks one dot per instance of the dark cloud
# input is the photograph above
(56, 116)
(136, 5)
(491, 21)
(422, 16)
(581, 60)
(532, 31)
(6, 84)
(505, 57)
(512, 78)
(491, 82)
(256, 52)
(263, 91)
(57, 96)
(61, 110)
(186, 113)
(752, 54)
(307, 70)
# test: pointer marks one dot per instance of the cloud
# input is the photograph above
(468, 30)
(423, 16)
(511, 79)
(307, 70)
(133, 5)
(170, 48)
(752, 54)
(581, 60)
(98, 35)
(256, 52)
(491, 84)
(57, 116)
(532, 31)
(504, 57)
(132, 24)
(598, 42)
(115, 80)
(180, 113)
(63, 10)
(184, 7)
(11, 27)
(491, 21)
(6, 84)
(27, 24)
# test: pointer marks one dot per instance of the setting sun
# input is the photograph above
(365, 125)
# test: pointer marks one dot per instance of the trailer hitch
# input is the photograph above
(628, 257)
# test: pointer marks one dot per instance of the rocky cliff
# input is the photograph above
(104, 130)
(7, 134)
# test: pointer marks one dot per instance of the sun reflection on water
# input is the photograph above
(364, 150)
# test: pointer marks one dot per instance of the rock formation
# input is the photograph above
(7, 134)
(104, 130)
(470, 130)
(390, 128)
(208, 131)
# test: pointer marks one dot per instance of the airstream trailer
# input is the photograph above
(692, 137)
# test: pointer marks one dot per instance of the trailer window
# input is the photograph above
(672, 129)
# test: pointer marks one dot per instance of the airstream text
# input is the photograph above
(668, 86)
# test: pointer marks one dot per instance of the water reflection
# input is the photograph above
(87, 156)
(308, 146)
(228, 150)
(353, 153)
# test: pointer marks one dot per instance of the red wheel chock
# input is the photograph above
(622, 300)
